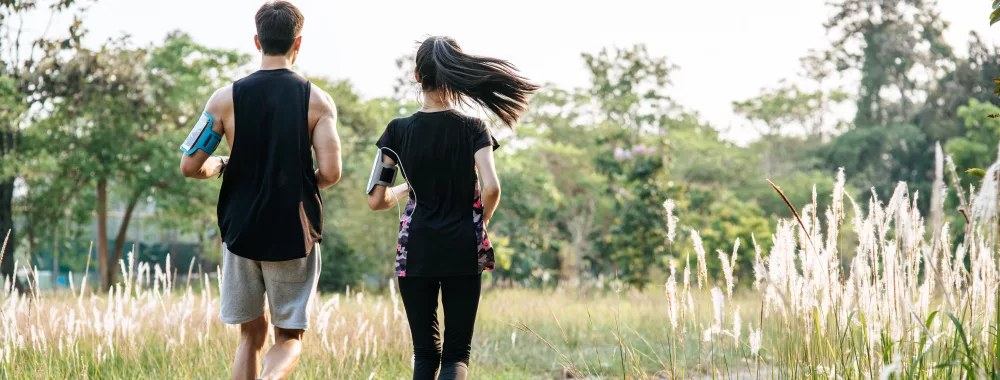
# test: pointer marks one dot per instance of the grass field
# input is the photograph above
(355, 335)
(897, 304)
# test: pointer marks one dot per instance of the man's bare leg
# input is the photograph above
(252, 337)
(284, 354)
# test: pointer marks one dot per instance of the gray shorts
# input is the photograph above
(290, 287)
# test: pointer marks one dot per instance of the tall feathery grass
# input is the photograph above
(902, 302)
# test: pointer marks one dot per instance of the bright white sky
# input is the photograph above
(726, 50)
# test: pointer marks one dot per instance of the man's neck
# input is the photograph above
(275, 62)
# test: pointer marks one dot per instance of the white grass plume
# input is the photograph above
(699, 250)
(668, 206)
(984, 205)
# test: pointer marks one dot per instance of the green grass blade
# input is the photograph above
(923, 341)
(970, 359)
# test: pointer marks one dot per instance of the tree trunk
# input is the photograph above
(7, 225)
(123, 229)
(103, 262)
(29, 228)
(55, 260)
(768, 159)
(902, 97)
(579, 227)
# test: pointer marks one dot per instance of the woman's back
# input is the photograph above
(440, 152)
(442, 229)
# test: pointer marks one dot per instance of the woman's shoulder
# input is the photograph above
(473, 123)
(400, 122)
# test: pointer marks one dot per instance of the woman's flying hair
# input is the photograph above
(489, 82)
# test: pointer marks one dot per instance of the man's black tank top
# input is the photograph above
(269, 207)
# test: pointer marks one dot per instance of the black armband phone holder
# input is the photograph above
(382, 173)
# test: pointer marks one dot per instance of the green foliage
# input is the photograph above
(880, 157)
(969, 80)
(584, 175)
(342, 266)
(787, 105)
(628, 86)
(17, 63)
(877, 38)
(978, 147)
(364, 242)
(115, 116)
(629, 148)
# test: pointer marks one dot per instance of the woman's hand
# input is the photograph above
(383, 198)
(398, 193)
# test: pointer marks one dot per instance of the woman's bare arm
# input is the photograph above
(490, 182)
(381, 198)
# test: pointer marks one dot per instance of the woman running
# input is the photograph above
(444, 155)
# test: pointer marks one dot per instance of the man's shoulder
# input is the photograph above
(321, 101)
(319, 95)
(222, 99)
(321, 106)
(223, 95)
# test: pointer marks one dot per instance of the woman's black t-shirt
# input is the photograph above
(441, 232)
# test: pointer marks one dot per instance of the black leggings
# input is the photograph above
(460, 296)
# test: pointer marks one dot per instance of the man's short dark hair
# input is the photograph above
(278, 24)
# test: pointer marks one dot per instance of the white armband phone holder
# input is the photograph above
(382, 173)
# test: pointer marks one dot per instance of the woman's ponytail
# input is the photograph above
(489, 82)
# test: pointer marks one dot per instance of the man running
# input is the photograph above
(270, 211)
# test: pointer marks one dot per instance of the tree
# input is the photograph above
(573, 188)
(633, 115)
(888, 41)
(15, 91)
(970, 79)
(120, 113)
(774, 110)
(721, 216)
(627, 89)
(779, 108)
(789, 106)
(11, 109)
(526, 222)
(879, 158)
(184, 74)
(978, 147)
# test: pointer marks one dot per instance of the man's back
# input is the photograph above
(269, 207)
(270, 211)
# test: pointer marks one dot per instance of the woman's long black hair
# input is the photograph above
(489, 82)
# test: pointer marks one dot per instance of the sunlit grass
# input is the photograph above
(902, 306)
(160, 334)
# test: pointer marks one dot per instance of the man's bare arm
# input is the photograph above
(326, 141)
(200, 164)
(210, 168)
